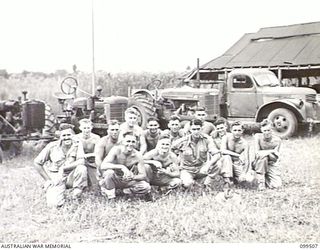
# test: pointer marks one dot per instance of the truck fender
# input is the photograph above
(290, 104)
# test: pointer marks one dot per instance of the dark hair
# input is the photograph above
(152, 119)
(175, 117)
(200, 109)
(113, 122)
(64, 126)
(196, 122)
(221, 120)
(164, 136)
(131, 134)
(265, 122)
(237, 123)
(132, 110)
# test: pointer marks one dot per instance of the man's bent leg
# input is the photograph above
(187, 178)
(260, 166)
(273, 176)
(92, 178)
(55, 194)
(78, 180)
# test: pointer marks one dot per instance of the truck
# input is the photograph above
(248, 95)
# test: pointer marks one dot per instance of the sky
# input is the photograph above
(134, 35)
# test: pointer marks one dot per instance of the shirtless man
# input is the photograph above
(162, 165)
(130, 125)
(175, 132)
(123, 168)
(266, 164)
(151, 134)
(89, 140)
(106, 143)
(235, 151)
(207, 127)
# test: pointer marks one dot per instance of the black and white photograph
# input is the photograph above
(189, 122)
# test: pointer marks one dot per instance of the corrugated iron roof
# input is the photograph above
(292, 45)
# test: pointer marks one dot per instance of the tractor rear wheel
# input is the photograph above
(145, 107)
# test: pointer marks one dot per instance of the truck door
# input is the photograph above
(242, 97)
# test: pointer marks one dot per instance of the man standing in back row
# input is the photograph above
(89, 141)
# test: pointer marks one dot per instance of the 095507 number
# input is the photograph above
(308, 245)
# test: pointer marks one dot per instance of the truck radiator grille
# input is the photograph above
(311, 98)
(211, 103)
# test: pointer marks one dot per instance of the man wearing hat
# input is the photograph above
(61, 164)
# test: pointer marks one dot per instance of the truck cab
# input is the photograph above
(257, 94)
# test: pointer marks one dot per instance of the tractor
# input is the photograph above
(149, 102)
(22, 120)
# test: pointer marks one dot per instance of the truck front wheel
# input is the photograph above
(284, 121)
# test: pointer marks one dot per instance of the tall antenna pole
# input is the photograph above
(93, 66)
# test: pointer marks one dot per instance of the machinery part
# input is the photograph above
(69, 85)
(155, 84)
(33, 114)
(145, 108)
(284, 121)
(50, 122)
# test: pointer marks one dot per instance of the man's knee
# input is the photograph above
(81, 170)
(141, 187)
(149, 171)
(108, 174)
(175, 182)
(186, 181)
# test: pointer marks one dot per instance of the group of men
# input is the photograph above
(131, 159)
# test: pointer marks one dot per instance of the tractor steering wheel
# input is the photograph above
(155, 84)
(69, 85)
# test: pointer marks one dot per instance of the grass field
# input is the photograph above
(289, 214)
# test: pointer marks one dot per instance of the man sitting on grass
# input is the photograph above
(123, 168)
(65, 167)
(235, 151)
(266, 163)
(162, 165)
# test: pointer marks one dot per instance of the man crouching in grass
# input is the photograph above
(65, 168)
(123, 168)
(235, 150)
(197, 155)
(162, 165)
(266, 163)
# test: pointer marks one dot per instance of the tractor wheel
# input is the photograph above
(284, 121)
(50, 121)
(145, 108)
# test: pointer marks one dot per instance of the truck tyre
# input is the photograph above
(1, 155)
(145, 108)
(284, 121)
